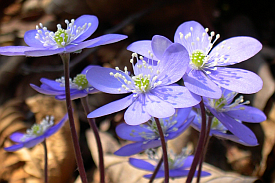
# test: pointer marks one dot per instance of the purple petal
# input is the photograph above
(74, 95)
(91, 90)
(34, 141)
(99, 77)
(182, 115)
(53, 84)
(233, 138)
(143, 48)
(159, 44)
(226, 92)
(203, 173)
(197, 32)
(173, 64)
(238, 129)
(14, 147)
(130, 149)
(46, 91)
(44, 52)
(72, 48)
(178, 96)
(247, 114)
(238, 80)
(172, 173)
(108, 39)
(181, 129)
(157, 107)
(56, 127)
(197, 82)
(160, 174)
(136, 113)
(15, 50)
(141, 164)
(188, 162)
(16, 137)
(235, 49)
(130, 132)
(112, 107)
(85, 70)
(80, 21)
(30, 39)
(152, 144)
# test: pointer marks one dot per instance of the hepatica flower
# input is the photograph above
(219, 130)
(43, 42)
(178, 165)
(206, 69)
(147, 135)
(231, 114)
(79, 86)
(37, 134)
(152, 94)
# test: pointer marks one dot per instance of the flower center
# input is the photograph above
(145, 78)
(61, 37)
(197, 58)
(223, 105)
(219, 103)
(142, 82)
(215, 123)
(81, 81)
(38, 129)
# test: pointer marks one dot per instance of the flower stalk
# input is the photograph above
(164, 152)
(156, 170)
(46, 161)
(206, 141)
(92, 123)
(66, 60)
(200, 145)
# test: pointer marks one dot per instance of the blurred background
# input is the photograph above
(20, 106)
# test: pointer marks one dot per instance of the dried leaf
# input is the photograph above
(118, 169)
(27, 165)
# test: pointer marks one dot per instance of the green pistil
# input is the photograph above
(142, 83)
(215, 123)
(35, 129)
(220, 103)
(170, 162)
(81, 81)
(61, 37)
(197, 58)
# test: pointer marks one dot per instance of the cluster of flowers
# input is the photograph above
(153, 92)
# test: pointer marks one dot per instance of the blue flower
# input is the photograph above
(79, 86)
(43, 42)
(37, 134)
(219, 130)
(206, 71)
(147, 135)
(152, 88)
(178, 166)
(230, 115)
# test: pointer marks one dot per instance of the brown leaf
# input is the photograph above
(118, 170)
(27, 165)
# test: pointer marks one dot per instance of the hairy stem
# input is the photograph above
(156, 170)
(206, 141)
(200, 145)
(164, 152)
(92, 123)
(46, 161)
(66, 60)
